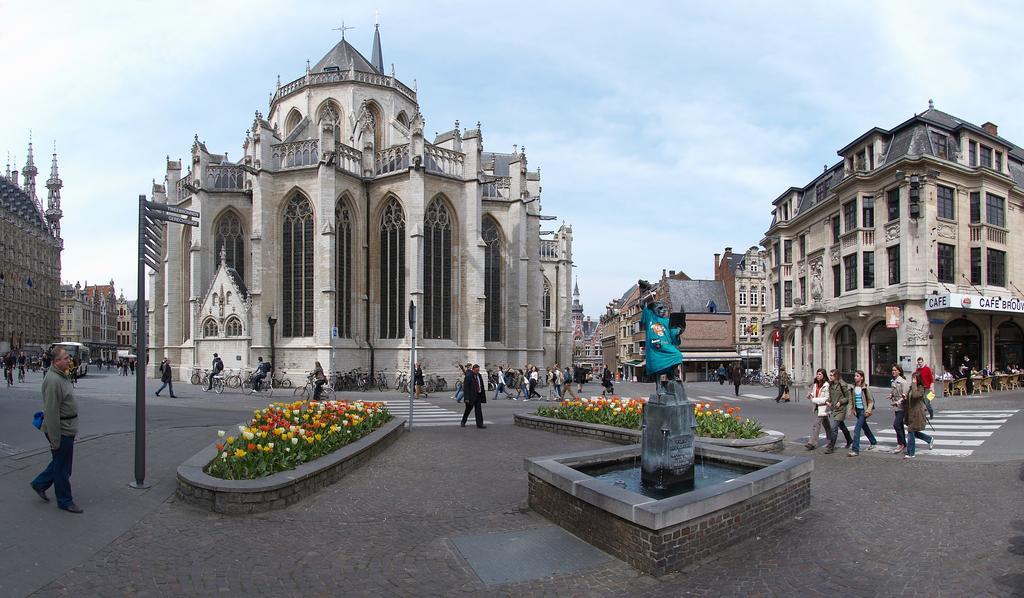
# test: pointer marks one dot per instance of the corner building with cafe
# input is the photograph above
(906, 247)
(337, 214)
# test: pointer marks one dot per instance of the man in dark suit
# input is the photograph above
(475, 394)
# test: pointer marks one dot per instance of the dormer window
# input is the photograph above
(332, 69)
(986, 156)
(819, 192)
(785, 211)
(940, 144)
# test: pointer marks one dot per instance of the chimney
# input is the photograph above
(663, 273)
(671, 273)
(717, 255)
(991, 128)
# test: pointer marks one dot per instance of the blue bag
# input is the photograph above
(37, 420)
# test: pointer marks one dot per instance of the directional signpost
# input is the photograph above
(152, 219)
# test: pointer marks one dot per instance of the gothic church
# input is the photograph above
(339, 216)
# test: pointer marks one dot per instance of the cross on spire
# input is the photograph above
(342, 29)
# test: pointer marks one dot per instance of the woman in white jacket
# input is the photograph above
(818, 394)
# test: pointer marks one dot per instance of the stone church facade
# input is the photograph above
(339, 214)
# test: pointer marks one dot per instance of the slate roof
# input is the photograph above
(341, 55)
(16, 201)
(692, 296)
(501, 162)
(237, 279)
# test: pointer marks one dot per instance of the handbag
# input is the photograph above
(785, 396)
(37, 420)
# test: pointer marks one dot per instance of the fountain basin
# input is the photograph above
(660, 536)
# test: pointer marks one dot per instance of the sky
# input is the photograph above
(663, 130)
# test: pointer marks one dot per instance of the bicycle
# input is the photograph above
(308, 390)
(195, 378)
(382, 381)
(218, 384)
(265, 385)
(21, 373)
(233, 379)
(281, 381)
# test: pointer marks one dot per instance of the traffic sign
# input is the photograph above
(176, 219)
(162, 207)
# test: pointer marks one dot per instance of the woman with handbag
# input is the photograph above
(784, 382)
(897, 398)
(818, 394)
(861, 406)
(916, 417)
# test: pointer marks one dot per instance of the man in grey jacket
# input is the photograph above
(60, 423)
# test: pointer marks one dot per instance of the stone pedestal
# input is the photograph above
(666, 456)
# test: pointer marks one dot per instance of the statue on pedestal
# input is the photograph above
(666, 434)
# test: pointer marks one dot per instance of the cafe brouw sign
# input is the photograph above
(980, 303)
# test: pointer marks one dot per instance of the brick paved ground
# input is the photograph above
(880, 526)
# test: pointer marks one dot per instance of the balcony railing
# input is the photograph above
(392, 159)
(225, 178)
(183, 188)
(295, 154)
(350, 159)
(337, 76)
(498, 188)
(548, 249)
(443, 161)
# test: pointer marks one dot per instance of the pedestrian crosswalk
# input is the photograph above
(427, 414)
(956, 433)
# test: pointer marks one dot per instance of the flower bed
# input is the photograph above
(712, 422)
(285, 435)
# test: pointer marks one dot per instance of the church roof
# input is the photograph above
(500, 162)
(341, 56)
(237, 279)
(16, 201)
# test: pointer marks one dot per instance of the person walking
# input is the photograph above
(839, 397)
(898, 398)
(818, 394)
(501, 385)
(522, 387)
(9, 368)
(567, 390)
(556, 381)
(784, 382)
(580, 376)
(60, 424)
(418, 381)
(915, 414)
(534, 379)
(737, 377)
(861, 406)
(606, 382)
(927, 379)
(722, 374)
(476, 395)
(216, 368)
(165, 377)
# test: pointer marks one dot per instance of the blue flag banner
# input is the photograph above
(28, 282)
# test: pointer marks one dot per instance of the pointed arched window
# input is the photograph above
(297, 268)
(210, 328)
(547, 304)
(233, 327)
(229, 237)
(392, 271)
(437, 271)
(343, 271)
(492, 280)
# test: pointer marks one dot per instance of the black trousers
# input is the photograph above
(478, 413)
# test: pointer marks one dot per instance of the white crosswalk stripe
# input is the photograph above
(427, 414)
(948, 429)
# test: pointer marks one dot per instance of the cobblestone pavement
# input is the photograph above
(880, 526)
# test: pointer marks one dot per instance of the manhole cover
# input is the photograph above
(529, 554)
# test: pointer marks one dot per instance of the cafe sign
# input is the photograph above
(982, 303)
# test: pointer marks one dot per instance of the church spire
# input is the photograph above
(53, 187)
(29, 172)
(377, 58)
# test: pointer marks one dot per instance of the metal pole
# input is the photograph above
(412, 358)
(140, 358)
